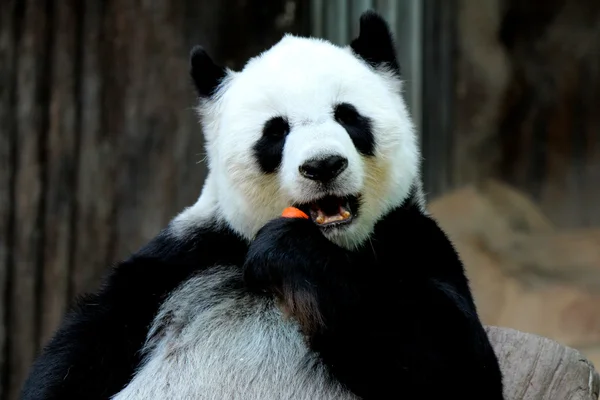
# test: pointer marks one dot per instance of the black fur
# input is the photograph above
(375, 43)
(206, 75)
(394, 317)
(358, 126)
(96, 350)
(269, 148)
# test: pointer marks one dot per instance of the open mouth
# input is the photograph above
(331, 211)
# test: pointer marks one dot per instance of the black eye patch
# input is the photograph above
(358, 127)
(269, 148)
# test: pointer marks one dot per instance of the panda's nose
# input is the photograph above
(324, 169)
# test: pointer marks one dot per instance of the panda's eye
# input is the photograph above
(359, 127)
(276, 127)
(346, 114)
(268, 150)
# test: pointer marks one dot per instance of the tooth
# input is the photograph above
(314, 214)
(320, 219)
(346, 214)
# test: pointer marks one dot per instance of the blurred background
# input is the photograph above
(100, 148)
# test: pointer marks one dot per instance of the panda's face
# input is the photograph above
(311, 125)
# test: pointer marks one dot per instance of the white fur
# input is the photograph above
(302, 79)
(210, 341)
(213, 344)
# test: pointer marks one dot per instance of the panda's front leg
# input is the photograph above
(337, 298)
(291, 259)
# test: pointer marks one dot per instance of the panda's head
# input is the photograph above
(312, 125)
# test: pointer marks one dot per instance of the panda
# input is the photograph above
(363, 297)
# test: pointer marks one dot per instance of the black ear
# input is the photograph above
(375, 43)
(205, 73)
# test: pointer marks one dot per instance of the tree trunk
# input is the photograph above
(99, 145)
(537, 368)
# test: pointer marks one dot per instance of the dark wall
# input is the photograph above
(527, 95)
(550, 120)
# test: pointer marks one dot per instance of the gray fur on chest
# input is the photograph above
(212, 340)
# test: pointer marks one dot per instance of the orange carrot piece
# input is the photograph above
(293, 212)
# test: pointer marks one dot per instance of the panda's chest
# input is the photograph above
(211, 340)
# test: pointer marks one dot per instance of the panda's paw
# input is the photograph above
(289, 258)
(294, 241)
